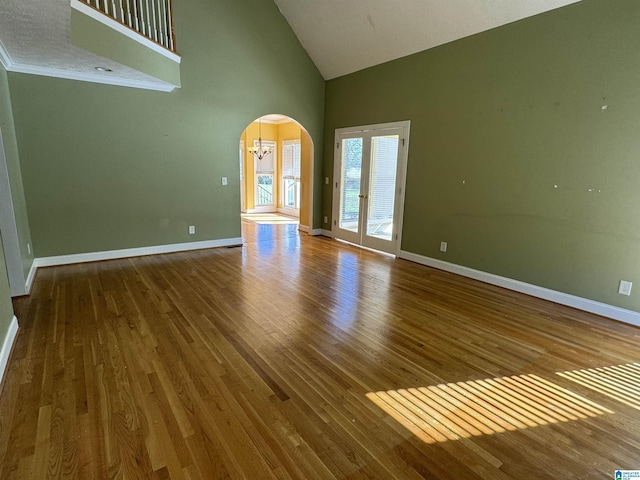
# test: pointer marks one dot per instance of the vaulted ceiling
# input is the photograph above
(344, 36)
(341, 36)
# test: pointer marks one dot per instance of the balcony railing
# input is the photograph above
(151, 18)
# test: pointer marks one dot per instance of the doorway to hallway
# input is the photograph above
(276, 169)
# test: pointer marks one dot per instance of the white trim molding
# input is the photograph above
(90, 77)
(263, 209)
(326, 233)
(289, 212)
(128, 32)
(591, 306)
(303, 228)
(135, 252)
(31, 277)
(315, 232)
(7, 345)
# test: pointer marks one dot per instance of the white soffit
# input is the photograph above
(344, 36)
(34, 39)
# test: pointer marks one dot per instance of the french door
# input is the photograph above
(369, 173)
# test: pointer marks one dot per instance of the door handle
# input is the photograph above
(363, 196)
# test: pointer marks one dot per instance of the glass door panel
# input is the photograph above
(350, 184)
(382, 186)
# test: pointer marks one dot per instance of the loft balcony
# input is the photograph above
(138, 34)
(119, 42)
(151, 18)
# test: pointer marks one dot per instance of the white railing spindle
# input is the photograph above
(143, 24)
(155, 25)
(151, 18)
(148, 18)
(136, 25)
(172, 46)
(161, 23)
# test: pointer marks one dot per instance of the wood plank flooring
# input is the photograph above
(296, 357)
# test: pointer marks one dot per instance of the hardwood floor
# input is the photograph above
(300, 357)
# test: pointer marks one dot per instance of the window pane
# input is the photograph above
(350, 188)
(290, 195)
(267, 162)
(264, 189)
(382, 186)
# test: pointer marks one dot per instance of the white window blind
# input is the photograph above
(384, 163)
(291, 159)
(266, 164)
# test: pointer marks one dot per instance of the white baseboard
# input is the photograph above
(315, 232)
(291, 212)
(327, 233)
(303, 228)
(134, 252)
(270, 209)
(31, 277)
(610, 311)
(7, 345)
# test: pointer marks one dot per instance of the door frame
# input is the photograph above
(401, 178)
(9, 231)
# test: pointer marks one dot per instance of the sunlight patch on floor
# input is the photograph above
(620, 382)
(483, 407)
(269, 219)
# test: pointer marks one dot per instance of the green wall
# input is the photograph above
(498, 120)
(109, 167)
(15, 174)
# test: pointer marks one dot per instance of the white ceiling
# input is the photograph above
(34, 38)
(344, 36)
(274, 118)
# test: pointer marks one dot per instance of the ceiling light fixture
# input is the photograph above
(103, 69)
(260, 151)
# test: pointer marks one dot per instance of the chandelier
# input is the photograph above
(260, 151)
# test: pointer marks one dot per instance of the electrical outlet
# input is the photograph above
(326, 219)
(224, 180)
(192, 229)
(625, 288)
(443, 246)
(29, 248)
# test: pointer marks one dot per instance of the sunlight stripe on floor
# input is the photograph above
(620, 382)
(483, 407)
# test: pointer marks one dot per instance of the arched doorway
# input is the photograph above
(281, 183)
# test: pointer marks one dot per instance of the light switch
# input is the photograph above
(224, 180)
